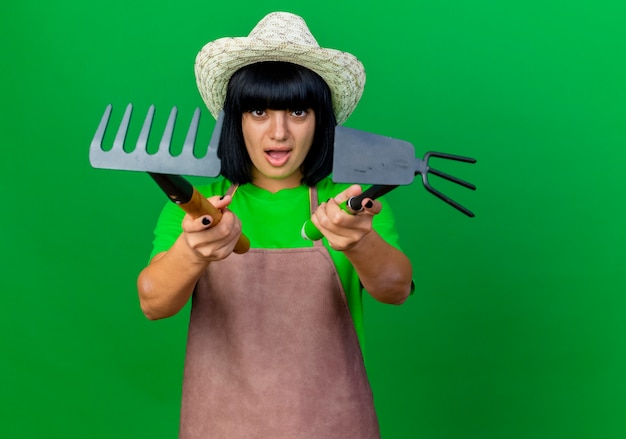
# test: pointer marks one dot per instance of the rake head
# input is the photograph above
(162, 161)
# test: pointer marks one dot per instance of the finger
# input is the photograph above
(213, 243)
(207, 221)
(221, 202)
(326, 215)
(370, 206)
(192, 225)
(352, 191)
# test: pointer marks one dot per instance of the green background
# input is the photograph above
(517, 328)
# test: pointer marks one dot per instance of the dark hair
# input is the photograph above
(276, 86)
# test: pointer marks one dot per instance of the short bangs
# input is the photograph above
(277, 86)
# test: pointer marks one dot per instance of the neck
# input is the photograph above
(274, 185)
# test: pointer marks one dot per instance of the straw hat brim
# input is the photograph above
(220, 59)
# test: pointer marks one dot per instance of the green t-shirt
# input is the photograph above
(274, 220)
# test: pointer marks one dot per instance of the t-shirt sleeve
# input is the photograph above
(385, 224)
(167, 229)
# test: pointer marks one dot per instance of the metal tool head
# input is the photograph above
(162, 161)
(385, 162)
(359, 156)
(366, 158)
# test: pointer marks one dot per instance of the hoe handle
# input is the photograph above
(351, 206)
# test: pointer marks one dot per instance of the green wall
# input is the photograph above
(517, 328)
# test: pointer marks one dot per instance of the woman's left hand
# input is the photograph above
(343, 230)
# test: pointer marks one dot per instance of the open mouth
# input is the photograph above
(278, 157)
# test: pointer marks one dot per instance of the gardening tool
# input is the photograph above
(386, 163)
(162, 166)
(359, 157)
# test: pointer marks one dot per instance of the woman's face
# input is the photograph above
(278, 142)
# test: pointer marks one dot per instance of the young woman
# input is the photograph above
(275, 334)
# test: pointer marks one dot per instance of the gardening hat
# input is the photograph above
(279, 36)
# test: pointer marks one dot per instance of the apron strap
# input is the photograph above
(313, 198)
(232, 189)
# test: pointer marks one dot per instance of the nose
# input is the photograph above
(278, 125)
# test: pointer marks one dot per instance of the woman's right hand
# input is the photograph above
(213, 242)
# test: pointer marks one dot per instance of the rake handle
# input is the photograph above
(199, 206)
(183, 194)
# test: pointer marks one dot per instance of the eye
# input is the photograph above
(299, 113)
(257, 113)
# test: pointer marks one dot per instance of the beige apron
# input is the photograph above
(272, 352)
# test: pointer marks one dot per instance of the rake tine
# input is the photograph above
(190, 139)
(451, 178)
(448, 177)
(96, 142)
(166, 140)
(142, 141)
(118, 143)
(162, 160)
(217, 132)
(443, 155)
(445, 198)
